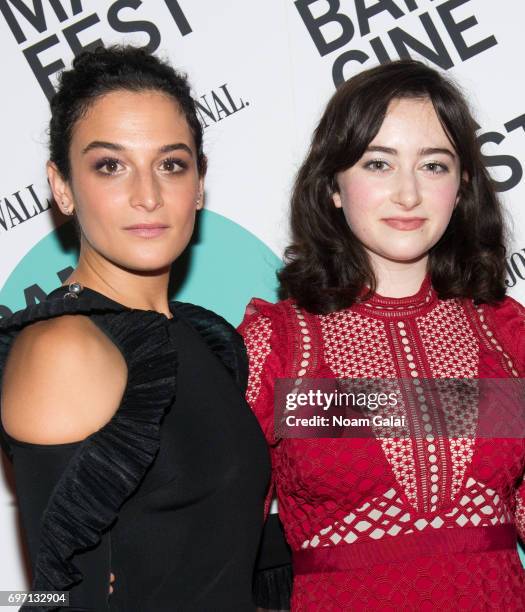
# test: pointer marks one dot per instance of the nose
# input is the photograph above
(146, 192)
(406, 191)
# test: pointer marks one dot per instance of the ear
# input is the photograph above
(62, 193)
(200, 194)
(336, 196)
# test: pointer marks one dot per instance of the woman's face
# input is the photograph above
(399, 197)
(134, 183)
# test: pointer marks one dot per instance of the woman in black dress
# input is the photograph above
(133, 448)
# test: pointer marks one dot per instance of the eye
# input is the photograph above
(171, 165)
(377, 165)
(108, 165)
(436, 167)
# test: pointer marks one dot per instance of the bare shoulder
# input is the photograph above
(63, 380)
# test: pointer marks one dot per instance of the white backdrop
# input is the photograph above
(262, 72)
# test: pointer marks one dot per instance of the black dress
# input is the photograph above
(169, 493)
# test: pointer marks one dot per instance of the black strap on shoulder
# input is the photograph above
(220, 336)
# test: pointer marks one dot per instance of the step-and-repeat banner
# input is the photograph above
(261, 74)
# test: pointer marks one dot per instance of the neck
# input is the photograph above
(143, 291)
(398, 279)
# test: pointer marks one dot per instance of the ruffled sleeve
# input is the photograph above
(507, 322)
(508, 319)
(107, 466)
(221, 337)
(37, 469)
(264, 331)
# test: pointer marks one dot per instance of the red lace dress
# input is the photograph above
(389, 524)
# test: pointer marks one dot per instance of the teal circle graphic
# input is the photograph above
(222, 269)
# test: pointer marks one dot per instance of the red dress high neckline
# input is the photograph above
(419, 303)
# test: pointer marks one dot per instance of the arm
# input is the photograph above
(273, 575)
(56, 392)
(37, 469)
(508, 321)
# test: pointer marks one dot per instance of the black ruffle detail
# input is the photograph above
(221, 337)
(272, 588)
(273, 577)
(108, 465)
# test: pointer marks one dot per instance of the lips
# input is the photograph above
(147, 230)
(405, 224)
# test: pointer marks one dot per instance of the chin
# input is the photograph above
(144, 265)
(150, 257)
(404, 255)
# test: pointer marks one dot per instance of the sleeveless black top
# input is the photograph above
(169, 493)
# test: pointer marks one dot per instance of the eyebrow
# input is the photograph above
(424, 151)
(112, 146)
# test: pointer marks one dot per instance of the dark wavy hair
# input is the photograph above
(108, 69)
(326, 267)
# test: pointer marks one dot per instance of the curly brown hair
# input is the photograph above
(326, 267)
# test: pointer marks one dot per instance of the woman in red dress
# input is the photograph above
(396, 271)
